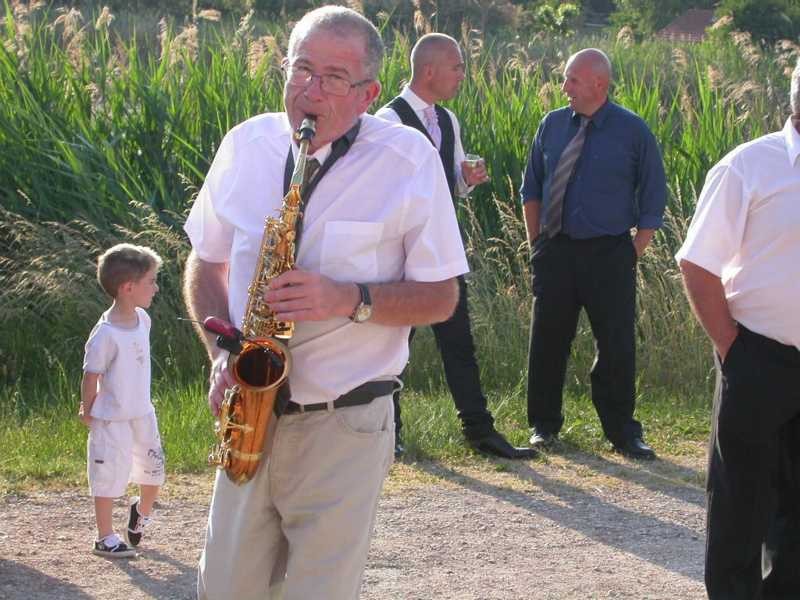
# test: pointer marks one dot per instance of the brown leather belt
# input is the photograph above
(363, 394)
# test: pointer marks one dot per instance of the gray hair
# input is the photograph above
(343, 22)
(794, 94)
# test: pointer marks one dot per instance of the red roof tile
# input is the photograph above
(689, 27)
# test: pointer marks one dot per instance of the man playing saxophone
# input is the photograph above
(379, 250)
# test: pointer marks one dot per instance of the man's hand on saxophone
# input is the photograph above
(299, 295)
(219, 380)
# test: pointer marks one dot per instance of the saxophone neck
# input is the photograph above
(304, 134)
(299, 169)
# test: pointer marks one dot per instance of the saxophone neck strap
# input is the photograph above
(339, 148)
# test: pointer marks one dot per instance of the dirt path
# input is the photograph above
(573, 526)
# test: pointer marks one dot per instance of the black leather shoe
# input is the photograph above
(542, 440)
(494, 444)
(635, 448)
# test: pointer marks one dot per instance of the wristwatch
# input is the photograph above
(363, 310)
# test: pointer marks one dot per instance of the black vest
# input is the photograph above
(447, 151)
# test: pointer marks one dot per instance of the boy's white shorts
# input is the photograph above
(124, 451)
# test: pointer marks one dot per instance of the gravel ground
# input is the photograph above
(569, 526)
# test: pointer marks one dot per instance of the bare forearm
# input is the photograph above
(413, 302)
(707, 299)
(642, 239)
(88, 395)
(88, 390)
(205, 292)
(531, 210)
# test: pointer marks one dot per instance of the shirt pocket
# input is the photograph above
(350, 250)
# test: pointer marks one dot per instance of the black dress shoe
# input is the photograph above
(542, 440)
(635, 448)
(494, 444)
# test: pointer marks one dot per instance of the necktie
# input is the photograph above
(551, 224)
(432, 125)
(312, 166)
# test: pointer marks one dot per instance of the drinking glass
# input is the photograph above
(473, 160)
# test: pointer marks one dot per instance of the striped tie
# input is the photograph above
(551, 224)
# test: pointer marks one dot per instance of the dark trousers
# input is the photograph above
(454, 340)
(753, 490)
(599, 275)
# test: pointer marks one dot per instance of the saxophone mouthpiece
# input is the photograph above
(307, 130)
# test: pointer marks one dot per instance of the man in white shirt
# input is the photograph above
(437, 70)
(741, 267)
(379, 251)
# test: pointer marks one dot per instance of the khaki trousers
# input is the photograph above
(300, 529)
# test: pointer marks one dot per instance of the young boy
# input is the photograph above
(124, 444)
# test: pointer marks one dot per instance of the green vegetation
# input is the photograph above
(767, 21)
(106, 134)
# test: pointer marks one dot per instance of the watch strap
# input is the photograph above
(366, 300)
(365, 297)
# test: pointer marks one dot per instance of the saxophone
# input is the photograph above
(262, 364)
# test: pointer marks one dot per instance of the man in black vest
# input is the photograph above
(437, 70)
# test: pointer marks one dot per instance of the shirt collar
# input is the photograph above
(414, 101)
(600, 115)
(321, 154)
(792, 139)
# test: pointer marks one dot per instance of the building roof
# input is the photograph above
(688, 27)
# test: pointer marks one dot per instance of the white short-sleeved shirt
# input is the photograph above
(419, 105)
(122, 357)
(746, 230)
(382, 213)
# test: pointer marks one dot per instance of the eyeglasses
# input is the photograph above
(330, 84)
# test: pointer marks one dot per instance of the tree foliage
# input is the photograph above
(560, 19)
(766, 20)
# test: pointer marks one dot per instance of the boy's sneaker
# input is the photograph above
(136, 523)
(112, 546)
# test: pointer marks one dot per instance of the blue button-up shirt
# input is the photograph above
(618, 182)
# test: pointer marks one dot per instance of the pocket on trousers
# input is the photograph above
(538, 248)
(100, 455)
(741, 413)
(368, 421)
(732, 351)
(634, 255)
(540, 264)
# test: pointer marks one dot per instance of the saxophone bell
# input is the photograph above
(259, 362)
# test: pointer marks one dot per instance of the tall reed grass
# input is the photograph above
(106, 134)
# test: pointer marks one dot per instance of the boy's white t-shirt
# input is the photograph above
(122, 357)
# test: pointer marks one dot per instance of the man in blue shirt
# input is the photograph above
(594, 174)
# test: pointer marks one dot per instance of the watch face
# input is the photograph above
(363, 313)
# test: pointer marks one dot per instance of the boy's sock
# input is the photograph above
(112, 546)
